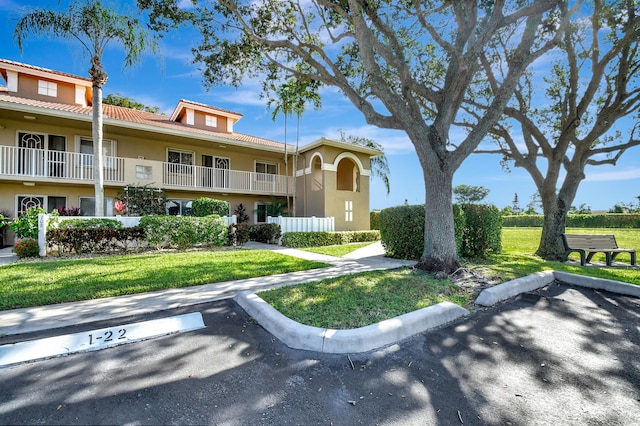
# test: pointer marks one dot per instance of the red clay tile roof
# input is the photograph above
(126, 115)
(33, 67)
(186, 101)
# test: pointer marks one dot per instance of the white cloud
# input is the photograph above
(617, 175)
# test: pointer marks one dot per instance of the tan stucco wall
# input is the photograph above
(330, 201)
(28, 88)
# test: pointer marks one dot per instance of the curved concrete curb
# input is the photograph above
(599, 283)
(299, 336)
(504, 291)
(492, 295)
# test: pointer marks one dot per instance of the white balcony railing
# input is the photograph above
(186, 176)
(29, 163)
(40, 163)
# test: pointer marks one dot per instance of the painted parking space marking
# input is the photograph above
(94, 340)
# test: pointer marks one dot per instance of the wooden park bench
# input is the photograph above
(588, 245)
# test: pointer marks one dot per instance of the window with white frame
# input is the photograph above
(179, 207)
(49, 203)
(84, 145)
(88, 206)
(266, 171)
(348, 211)
(211, 121)
(47, 88)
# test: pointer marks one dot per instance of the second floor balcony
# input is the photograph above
(71, 167)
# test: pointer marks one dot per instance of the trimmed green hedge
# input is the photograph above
(184, 231)
(90, 223)
(205, 206)
(374, 219)
(477, 230)
(320, 239)
(265, 233)
(482, 230)
(605, 220)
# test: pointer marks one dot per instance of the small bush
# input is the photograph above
(238, 234)
(92, 223)
(94, 240)
(205, 206)
(482, 230)
(374, 219)
(268, 233)
(26, 247)
(184, 231)
(143, 200)
(319, 239)
(402, 231)
(26, 224)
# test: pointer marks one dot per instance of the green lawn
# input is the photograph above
(343, 302)
(337, 251)
(363, 299)
(38, 283)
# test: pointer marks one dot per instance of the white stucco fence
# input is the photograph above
(304, 224)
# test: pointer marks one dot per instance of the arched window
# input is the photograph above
(317, 182)
(348, 175)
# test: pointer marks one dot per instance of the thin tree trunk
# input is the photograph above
(98, 168)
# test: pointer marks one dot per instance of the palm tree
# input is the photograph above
(292, 96)
(94, 26)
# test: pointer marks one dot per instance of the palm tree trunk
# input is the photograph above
(98, 167)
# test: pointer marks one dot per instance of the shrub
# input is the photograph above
(482, 230)
(241, 214)
(606, 220)
(459, 225)
(205, 206)
(374, 219)
(268, 233)
(143, 200)
(318, 239)
(26, 247)
(94, 240)
(184, 231)
(26, 224)
(402, 231)
(91, 223)
(238, 234)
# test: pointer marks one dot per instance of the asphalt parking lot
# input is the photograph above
(561, 355)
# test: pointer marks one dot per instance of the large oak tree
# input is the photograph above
(408, 65)
(572, 116)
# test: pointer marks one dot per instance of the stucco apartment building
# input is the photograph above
(46, 155)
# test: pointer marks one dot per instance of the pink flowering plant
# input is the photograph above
(119, 207)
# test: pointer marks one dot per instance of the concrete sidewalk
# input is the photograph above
(27, 320)
(7, 256)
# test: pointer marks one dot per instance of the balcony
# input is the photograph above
(71, 167)
(29, 163)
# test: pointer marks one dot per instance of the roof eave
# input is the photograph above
(137, 126)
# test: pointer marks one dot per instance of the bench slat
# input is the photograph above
(589, 244)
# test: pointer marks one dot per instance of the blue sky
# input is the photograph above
(163, 81)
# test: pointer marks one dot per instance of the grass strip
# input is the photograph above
(361, 299)
(39, 283)
(337, 250)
